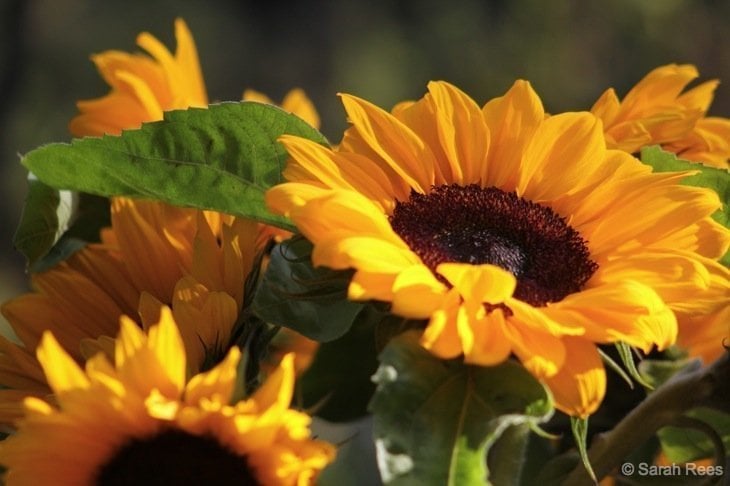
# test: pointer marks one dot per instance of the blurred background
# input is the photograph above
(384, 51)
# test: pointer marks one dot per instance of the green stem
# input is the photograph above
(507, 456)
(686, 390)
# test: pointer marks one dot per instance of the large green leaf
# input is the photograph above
(338, 386)
(224, 158)
(683, 444)
(435, 420)
(312, 301)
(55, 223)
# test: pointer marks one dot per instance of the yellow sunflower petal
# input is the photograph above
(541, 353)
(462, 131)
(607, 106)
(62, 372)
(706, 336)
(186, 56)
(166, 343)
(404, 152)
(626, 311)
(216, 384)
(580, 385)
(367, 253)
(282, 199)
(175, 78)
(368, 285)
(417, 292)
(574, 137)
(674, 276)
(142, 92)
(276, 392)
(512, 120)
(339, 170)
(489, 344)
(700, 97)
(669, 206)
(156, 361)
(441, 336)
(420, 116)
(479, 283)
(349, 213)
(110, 63)
(297, 102)
(257, 96)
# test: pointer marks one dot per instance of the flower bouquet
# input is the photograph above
(455, 292)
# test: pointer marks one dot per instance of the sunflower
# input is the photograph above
(656, 111)
(510, 232)
(142, 87)
(138, 420)
(153, 254)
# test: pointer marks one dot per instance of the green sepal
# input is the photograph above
(223, 157)
(627, 358)
(579, 426)
(435, 421)
(311, 301)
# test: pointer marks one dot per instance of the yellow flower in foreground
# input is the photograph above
(140, 421)
(509, 231)
(142, 86)
(656, 112)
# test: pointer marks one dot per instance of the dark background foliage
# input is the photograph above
(384, 51)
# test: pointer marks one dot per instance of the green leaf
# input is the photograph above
(55, 224)
(683, 444)
(355, 464)
(435, 420)
(294, 294)
(46, 215)
(224, 158)
(507, 457)
(338, 386)
(711, 177)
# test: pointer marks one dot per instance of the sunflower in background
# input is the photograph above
(154, 254)
(138, 419)
(509, 231)
(657, 112)
(143, 87)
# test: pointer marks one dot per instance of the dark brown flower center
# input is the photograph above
(471, 224)
(175, 457)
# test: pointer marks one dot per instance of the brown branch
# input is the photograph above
(704, 386)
